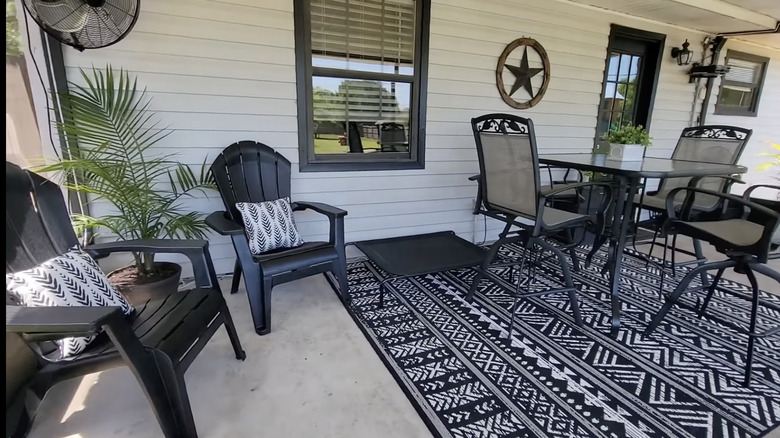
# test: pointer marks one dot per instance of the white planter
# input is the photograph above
(626, 152)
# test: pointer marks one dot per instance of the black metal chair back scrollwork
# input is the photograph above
(712, 144)
(509, 190)
(158, 342)
(249, 171)
(508, 161)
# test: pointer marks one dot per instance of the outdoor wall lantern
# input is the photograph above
(684, 56)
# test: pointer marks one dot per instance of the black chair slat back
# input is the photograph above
(249, 171)
(37, 225)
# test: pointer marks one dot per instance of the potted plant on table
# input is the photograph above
(111, 132)
(628, 142)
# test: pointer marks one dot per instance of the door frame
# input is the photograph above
(658, 39)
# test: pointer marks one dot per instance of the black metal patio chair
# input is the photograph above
(158, 342)
(510, 191)
(712, 143)
(745, 239)
(249, 171)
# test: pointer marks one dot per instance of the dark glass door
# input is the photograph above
(629, 80)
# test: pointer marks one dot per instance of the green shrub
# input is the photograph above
(629, 134)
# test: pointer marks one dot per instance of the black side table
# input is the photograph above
(420, 254)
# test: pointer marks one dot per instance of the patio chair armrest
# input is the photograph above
(575, 186)
(478, 202)
(223, 225)
(62, 319)
(694, 182)
(672, 212)
(749, 190)
(335, 217)
(319, 207)
(600, 221)
(194, 249)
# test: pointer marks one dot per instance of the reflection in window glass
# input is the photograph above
(740, 87)
(363, 73)
(618, 106)
(360, 116)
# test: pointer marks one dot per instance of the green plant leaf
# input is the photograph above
(111, 134)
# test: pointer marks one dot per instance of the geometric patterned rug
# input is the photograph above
(555, 379)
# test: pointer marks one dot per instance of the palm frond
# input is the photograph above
(108, 120)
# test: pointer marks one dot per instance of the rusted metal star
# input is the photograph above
(523, 75)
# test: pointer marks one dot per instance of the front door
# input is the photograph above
(630, 78)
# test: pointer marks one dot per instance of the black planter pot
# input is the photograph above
(139, 293)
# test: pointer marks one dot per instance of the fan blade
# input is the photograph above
(62, 15)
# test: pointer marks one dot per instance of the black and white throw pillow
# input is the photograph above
(269, 225)
(71, 279)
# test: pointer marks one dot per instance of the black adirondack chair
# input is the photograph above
(249, 171)
(158, 342)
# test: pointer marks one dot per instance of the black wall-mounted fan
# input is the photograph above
(85, 24)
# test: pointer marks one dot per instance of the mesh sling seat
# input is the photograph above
(249, 171)
(158, 342)
(745, 239)
(509, 190)
(713, 144)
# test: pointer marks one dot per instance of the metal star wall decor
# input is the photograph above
(523, 74)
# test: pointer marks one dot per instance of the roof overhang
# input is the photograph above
(708, 16)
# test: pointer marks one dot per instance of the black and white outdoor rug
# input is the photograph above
(454, 362)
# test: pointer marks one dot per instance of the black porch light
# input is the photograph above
(683, 55)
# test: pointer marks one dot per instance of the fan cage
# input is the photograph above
(85, 24)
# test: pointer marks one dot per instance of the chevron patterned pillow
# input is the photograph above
(72, 279)
(269, 225)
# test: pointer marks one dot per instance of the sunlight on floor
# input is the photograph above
(80, 397)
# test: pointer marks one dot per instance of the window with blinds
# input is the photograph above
(740, 87)
(362, 81)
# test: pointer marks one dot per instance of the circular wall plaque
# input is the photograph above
(523, 92)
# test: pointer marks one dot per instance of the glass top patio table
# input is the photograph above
(628, 175)
(647, 168)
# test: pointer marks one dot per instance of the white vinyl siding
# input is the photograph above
(224, 71)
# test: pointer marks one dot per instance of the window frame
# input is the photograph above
(308, 161)
(757, 87)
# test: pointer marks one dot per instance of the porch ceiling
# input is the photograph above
(711, 16)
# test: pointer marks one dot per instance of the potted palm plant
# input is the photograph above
(628, 142)
(111, 132)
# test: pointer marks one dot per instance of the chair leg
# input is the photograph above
(255, 292)
(236, 277)
(266, 293)
(159, 381)
(516, 301)
(176, 389)
(752, 329)
(339, 269)
(232, 333)
(680, 289)
(572, 291)
(575, 261)
(711, 292)
(491, 255)
(652, 247)
(597, 244)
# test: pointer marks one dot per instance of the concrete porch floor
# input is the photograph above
(315, 375)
